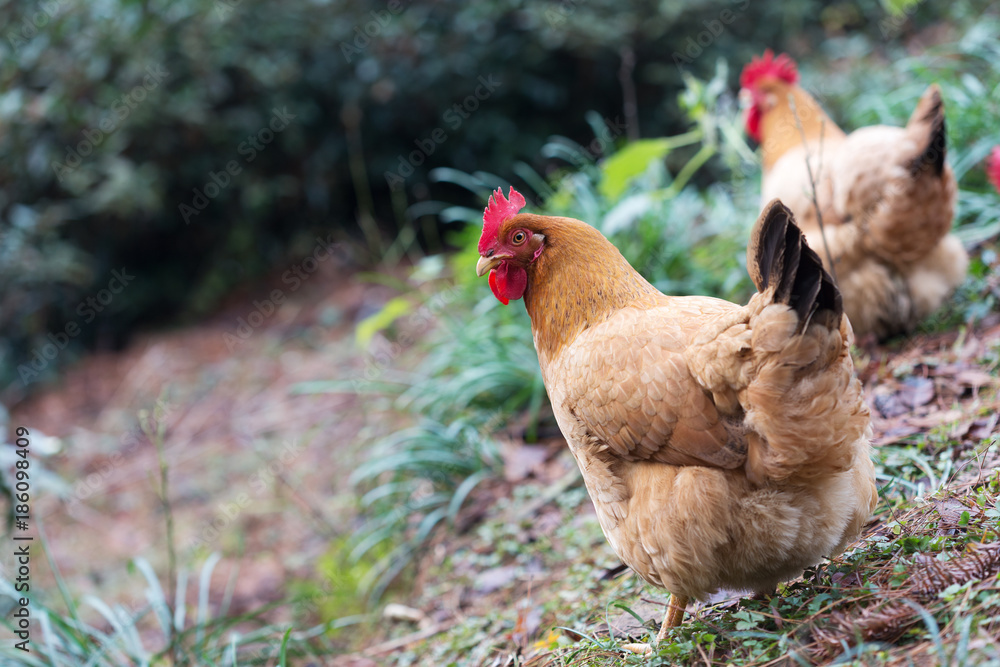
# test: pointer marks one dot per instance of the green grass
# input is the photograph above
(918, 586)
(169, 628)
(87, 630)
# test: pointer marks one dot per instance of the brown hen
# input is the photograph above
(723, 446)
(886, 196)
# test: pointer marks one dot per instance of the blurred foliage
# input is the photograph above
(104, 634)
(367, 83)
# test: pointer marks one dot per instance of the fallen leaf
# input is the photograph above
(400, 612)
(550, 642)
(889, 405)
(983, 427)
(626, 625)
(936, 419)
(894, 434)
(974, 377)
(950, 511)
(496, 578)
(520, 460)
(916, 391)
(529, 618)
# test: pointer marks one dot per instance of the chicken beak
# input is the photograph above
(484, 264)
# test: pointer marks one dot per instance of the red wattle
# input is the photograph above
(753, 123)
(508, 282)
(497, 291)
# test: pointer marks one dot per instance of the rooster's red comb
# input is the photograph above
(993, 167)
(781, 67)
(497, 212)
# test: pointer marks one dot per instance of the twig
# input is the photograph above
(155, 427)
(351, 116)
(395, 644)
(812, 181)
(630, 106)
(324, 525)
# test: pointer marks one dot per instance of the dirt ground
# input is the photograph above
(256, 472)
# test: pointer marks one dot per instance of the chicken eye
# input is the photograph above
(519, 237)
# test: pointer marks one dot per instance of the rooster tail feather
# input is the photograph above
(779, 258)
(926, 127)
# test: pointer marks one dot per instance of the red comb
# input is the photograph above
(782, 67)
(993, 167)
(499, 211)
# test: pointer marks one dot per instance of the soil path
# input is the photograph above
(257, 472)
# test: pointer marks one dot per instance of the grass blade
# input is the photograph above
(204, 581)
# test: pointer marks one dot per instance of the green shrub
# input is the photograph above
(142, 195)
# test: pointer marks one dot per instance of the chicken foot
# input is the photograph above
(672, 619)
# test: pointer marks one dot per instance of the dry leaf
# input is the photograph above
(983, 427)
(496, 578)
(916, 391)
(931, 576)
(936, 419)
(626, 625)
(974, 377)
(890, 405)
(521, 460)
(400, 612)
(529, 618)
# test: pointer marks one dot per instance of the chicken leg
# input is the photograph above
(672, 619)
(674, 615)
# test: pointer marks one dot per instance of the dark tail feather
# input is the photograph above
(779, 257)
(926, 124)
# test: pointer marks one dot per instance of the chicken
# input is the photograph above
(886, 196)
(723, 446)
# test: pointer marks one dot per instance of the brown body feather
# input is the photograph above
(887, 199)
(722, 445)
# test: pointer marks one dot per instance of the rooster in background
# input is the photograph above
(723, 446)
(886, 196)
